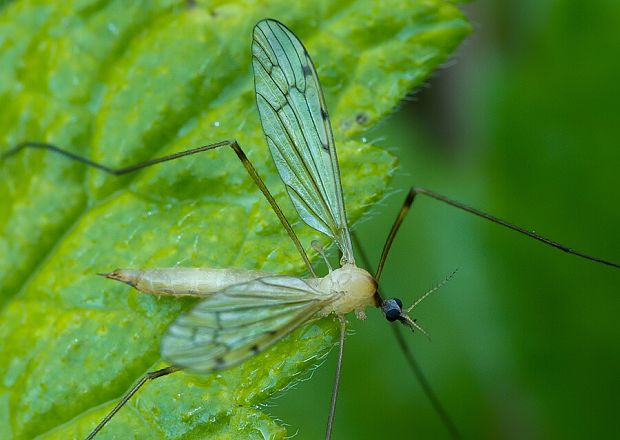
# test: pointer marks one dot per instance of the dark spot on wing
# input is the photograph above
(220, 362)
(324, 114)
(361, 118)
(255, 349)
(306, 70)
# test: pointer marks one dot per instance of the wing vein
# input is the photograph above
(292, 143)
(296, 123)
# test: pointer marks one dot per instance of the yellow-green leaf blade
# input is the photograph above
(120, 86)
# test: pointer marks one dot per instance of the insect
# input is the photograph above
(246, 312)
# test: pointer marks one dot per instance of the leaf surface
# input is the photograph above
(121, 82)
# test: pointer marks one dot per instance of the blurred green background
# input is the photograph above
(523, 123)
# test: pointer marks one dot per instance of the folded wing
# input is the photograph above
(239, 322)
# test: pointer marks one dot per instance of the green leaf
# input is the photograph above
(121, 82)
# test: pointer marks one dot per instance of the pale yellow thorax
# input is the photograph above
(355, 288)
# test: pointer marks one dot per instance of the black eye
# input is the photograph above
(392, 309)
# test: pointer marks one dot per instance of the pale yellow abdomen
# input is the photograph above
(180, 281)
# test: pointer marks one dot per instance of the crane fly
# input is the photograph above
(245, 312)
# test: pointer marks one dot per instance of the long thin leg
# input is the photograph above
(426, 386)
(413, 363)
(415, 191)
(392, 234)
(135, 167)
(332, 406)
(144, 379)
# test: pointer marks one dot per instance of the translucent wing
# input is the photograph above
(239, 322)
(296, 124)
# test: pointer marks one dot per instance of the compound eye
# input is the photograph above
(392, 315)
(392, 309)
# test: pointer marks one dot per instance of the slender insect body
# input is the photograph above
(356, 287)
